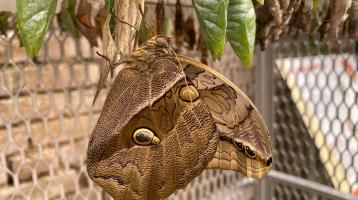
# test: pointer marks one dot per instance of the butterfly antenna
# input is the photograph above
(135, 28)
(124, 22)
(182, 69)
(112, 65)
(132, 26)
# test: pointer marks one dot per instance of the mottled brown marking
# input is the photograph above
(146, 94)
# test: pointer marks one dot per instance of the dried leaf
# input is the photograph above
(269, 20)
(160, 17)
(203, 49)
(351, 23)
(190, 34)
(4, 21)
(84, 13)
(179, 24)
(87, 17)
(330, 27)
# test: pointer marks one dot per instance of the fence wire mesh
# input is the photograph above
(315, 114)
(46, 117)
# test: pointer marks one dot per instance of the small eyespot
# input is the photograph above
(269, 161)
(238, 145)
(188, 93)
(144, 137)
(249, 152)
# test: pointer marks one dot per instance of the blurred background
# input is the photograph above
(307, 91)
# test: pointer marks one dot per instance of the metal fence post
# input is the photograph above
(264, 93)
(264, 79)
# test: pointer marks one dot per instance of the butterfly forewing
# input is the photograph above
(150, 98)
(166, 119)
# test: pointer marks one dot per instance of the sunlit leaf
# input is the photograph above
(315, 6)
(261, 2)
(33, 20)
(241, 29)
(169, 27)
(212, 16)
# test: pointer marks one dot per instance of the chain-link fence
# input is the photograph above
(315, 114)
(306, 90)
(46, 117)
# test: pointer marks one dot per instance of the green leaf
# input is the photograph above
(4, 23)
(110, 5)
(169, 27)
(315, 6)
(261, 2)
(212, 16)
(241, 29)
(112, 26)
(67, 17)
(112, 20)
(33, 20)
(143, 33)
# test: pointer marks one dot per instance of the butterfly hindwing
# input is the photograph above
(236, 118)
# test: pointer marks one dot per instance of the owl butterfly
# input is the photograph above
(166, 119)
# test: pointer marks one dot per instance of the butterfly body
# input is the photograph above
(166, 119)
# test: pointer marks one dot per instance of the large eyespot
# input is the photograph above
(188, 93)
(249, 152)
(145, 137)
(239, 145)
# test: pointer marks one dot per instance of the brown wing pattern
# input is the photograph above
(167, 118)
(234, 113)
(186, 129)
(237, 121)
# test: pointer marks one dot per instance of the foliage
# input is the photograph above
(241, 29)
(233, 20)
(67, 17)
(239, 22)
(212, 16)
(33, 20)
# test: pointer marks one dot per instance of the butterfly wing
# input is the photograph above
(149, 97)
(245, 143)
